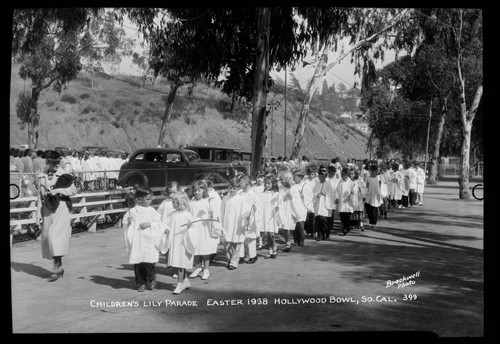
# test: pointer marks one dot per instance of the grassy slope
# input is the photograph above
(92, 120)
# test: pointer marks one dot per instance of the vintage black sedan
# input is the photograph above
(155, 167)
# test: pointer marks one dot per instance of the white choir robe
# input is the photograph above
(215, 203)
(386, 180)
(307, 194)
(165, 210)
(266, 215)
(396, 186)
(285, 212)
(345, 193)
(181, 248)
(373, 191)
(144, 245)
(299, 210)
(234, 214)
(204, 240)
(323, 204)
(420, 180)
(251, 198)
(359, 193)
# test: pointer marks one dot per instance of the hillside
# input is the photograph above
(121, 116)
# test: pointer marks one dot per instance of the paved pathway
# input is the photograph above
(337, 285)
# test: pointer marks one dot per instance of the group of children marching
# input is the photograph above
(188, 229)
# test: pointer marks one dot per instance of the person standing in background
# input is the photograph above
(56, 186)
(420, 183)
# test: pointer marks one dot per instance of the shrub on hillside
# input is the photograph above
(84, 96)
(68, 98)
(87, 109)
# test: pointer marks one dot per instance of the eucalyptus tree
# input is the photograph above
(433, 79)
(371, 31)
(459, 31)
(49, 44)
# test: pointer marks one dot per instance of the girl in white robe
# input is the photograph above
(166, 209)
(251, 233)
(234, 215)
(205, 240)
(267, 217)
(144, 234)
(181, 247)
(396, 187)
(287, 223)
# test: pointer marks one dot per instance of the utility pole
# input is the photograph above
(428, 132)
(284, 135)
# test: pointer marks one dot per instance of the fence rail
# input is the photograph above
(92, 209)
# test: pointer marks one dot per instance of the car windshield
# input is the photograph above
(192, 156)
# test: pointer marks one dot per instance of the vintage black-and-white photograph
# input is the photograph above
(253, 169)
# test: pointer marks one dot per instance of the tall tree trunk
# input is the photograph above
(260, 89)
(433, 175)
(467, 117)
(168, 112)
(463, 179)
(319, 72)
(34, 120)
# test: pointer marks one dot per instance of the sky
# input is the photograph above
(341, 73)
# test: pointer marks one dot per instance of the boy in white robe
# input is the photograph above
(251, 234)
(323, 200)
(143, 234)
(234, 215)
(344, 198)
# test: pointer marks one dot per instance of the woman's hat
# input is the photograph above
(299, 173)
(52, 156)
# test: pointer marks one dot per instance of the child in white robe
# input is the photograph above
(299, 210)
(287, 223)
(258, 188)
(234, 215)
(205, 240)
(267, 217)
(144, 234)
(166, 208)
(251, 233)
(420, 183)
(180, 247)
(344, 198)
(358, 202)
(373, 197)
(396, 187)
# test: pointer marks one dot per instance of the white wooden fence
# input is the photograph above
(89, 207)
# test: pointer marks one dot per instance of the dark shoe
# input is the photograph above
(54, 277)
(301, 244)
(152, 285)
(287, 249)
(273, 256)
(141, 288)
(318, 238)
(230, 267)
(252, 260)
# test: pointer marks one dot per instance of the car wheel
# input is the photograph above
(133, 181)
